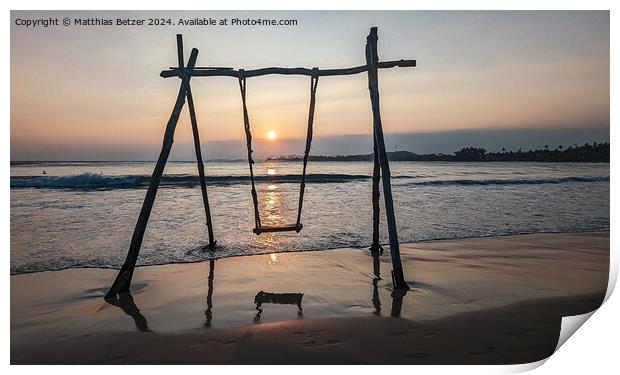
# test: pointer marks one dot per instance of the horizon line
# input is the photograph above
(263, 159)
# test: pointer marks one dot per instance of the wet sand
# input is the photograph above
(486, 300)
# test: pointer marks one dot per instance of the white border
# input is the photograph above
(590, 350)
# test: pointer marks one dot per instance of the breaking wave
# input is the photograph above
(88, 181)
(520, 181)
(93, 181)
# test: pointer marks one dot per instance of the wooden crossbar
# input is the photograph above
(229, 72)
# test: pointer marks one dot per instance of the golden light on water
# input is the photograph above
(272, 213)
(273, 207)
(271, 135)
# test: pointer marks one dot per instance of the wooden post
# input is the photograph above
(376, 210)
(376, 266)
(372, 60)
(199, 162)
(123, 279)
(201, 168)
(209, 310)
(397, 302)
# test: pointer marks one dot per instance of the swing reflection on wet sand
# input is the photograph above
(125, 301)
(277, 298)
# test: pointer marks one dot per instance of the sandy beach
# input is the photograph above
(494, 300)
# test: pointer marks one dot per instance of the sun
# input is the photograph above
(271, 135)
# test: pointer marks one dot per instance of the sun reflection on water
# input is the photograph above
(274, 211)
(273, 208)
(273, 259)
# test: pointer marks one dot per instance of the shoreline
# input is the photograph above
(478, 300)
(384, 245)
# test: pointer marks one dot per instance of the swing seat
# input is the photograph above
(278, 228)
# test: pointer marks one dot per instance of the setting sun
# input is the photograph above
(271, 135)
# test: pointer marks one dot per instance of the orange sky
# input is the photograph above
(100, 87)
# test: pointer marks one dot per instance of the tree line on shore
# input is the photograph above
(594, 152)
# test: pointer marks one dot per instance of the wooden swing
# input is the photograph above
(381, 171)
(297, 226)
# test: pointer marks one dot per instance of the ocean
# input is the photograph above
(82, 214)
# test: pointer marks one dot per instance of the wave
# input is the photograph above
(99, 181)
(84, 180)
(520, 181)
(94, 181)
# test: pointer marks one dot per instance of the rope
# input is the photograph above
(314, 81)
(248, 136)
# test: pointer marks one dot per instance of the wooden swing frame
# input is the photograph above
(381, 167)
